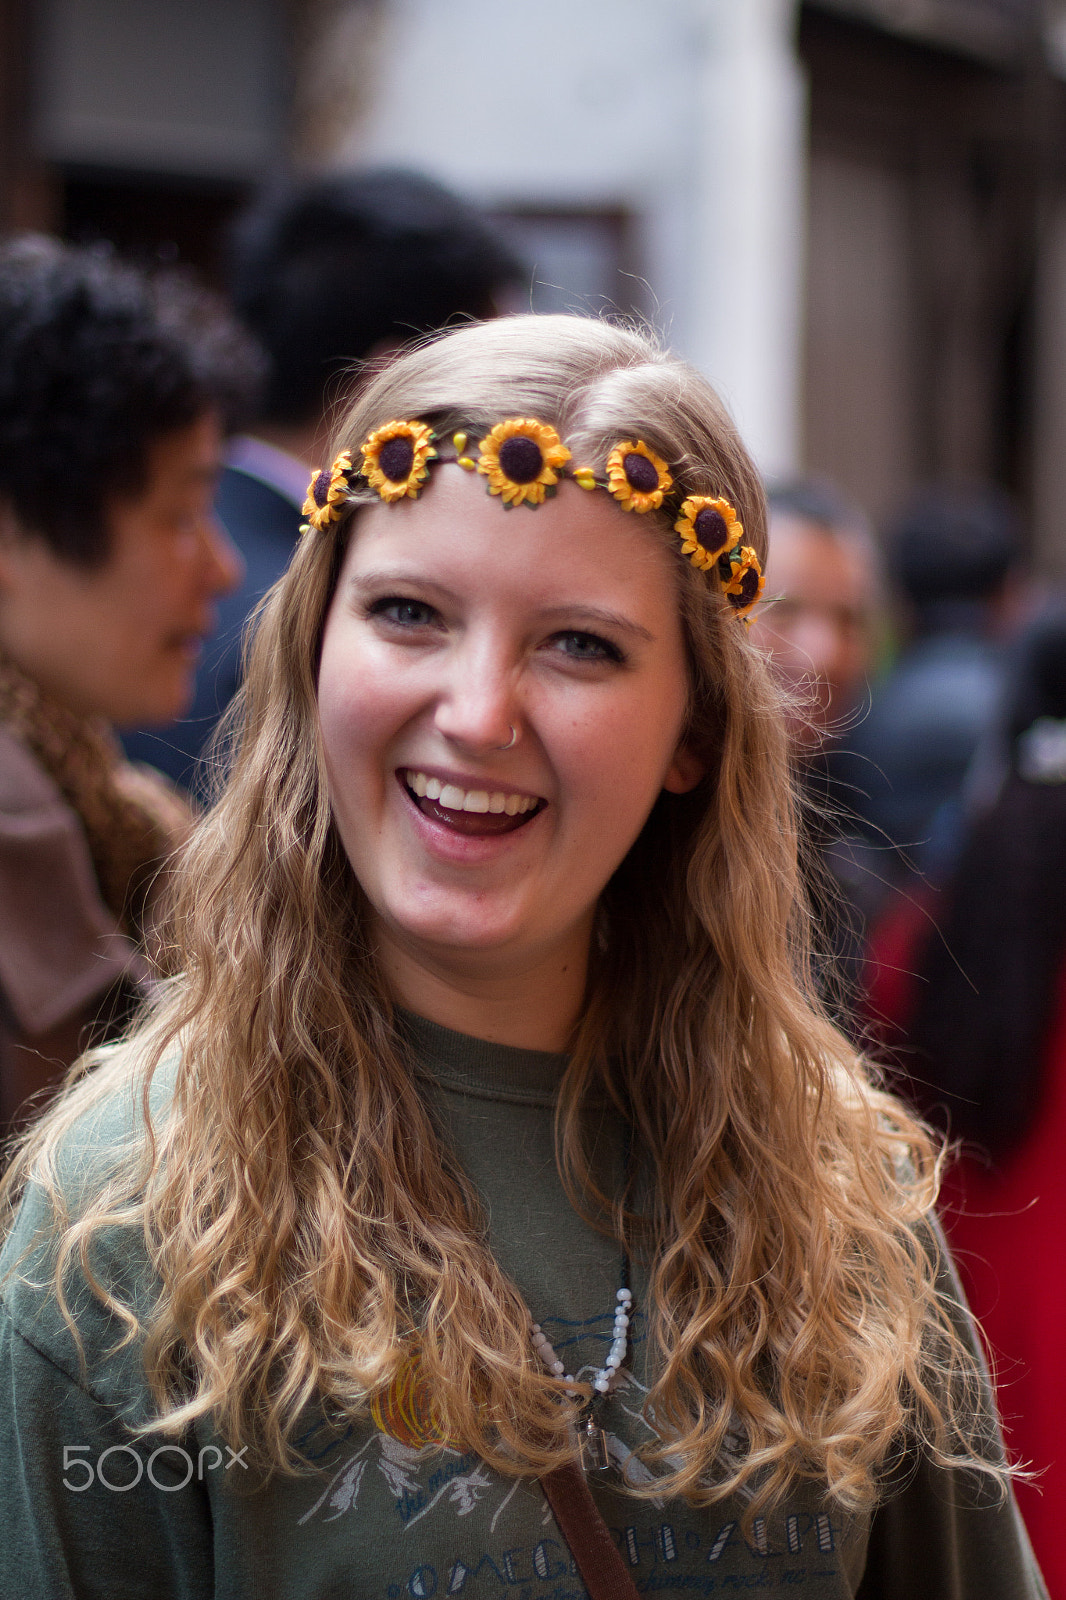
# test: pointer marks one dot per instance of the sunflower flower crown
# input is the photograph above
(522, 460)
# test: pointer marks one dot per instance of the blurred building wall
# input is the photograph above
(936, 307)
(681, 133)
(191, 88)
(912, 214)
(139, 121)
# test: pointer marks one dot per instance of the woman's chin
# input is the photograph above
(458, 938)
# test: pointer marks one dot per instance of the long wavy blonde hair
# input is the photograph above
(308, 1227)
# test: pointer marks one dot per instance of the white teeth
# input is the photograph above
(456, 799)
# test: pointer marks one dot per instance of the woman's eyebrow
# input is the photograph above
(597, 616)
(397, 577)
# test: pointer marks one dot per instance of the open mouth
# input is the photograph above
(472, 811)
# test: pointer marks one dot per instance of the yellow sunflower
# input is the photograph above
(637, 477)
(521, 458)
(708, 527)
(746, 582)
(405, 1410)
(327, 493)
(396, 458)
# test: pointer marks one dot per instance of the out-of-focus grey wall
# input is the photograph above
(194, 87)
(674, 140)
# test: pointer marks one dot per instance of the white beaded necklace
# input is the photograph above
(593, 1445)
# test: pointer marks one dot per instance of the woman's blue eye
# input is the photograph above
(408, 613)
(588, 647)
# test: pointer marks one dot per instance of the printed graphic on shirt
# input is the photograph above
(449, 1525)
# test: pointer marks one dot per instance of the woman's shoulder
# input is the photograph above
(101, 1127)
(77, 1296)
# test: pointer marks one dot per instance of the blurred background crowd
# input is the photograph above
(850, 214)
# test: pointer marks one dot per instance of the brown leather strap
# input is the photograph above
(601, 1567)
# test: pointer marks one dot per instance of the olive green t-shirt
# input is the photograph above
(386, 1511)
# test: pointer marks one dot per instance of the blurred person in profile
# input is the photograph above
(114, 392)
(325, 272)
(820, 629)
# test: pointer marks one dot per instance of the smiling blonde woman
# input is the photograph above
(493, 1126)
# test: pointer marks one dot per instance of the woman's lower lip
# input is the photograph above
(464, 834)
(474, 824)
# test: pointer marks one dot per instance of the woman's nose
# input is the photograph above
(478, 710)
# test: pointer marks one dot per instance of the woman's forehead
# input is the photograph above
(575, 546)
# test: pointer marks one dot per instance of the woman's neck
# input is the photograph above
(533, 1005)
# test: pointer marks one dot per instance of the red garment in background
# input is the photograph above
(1007, 1229)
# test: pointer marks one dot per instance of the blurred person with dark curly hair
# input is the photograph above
(114, 395)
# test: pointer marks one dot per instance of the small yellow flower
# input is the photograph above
(637, 477)
(585, 478)
(521, 458)
(327, 493)
(746, 582)
(405, 1410)
(708, 527)
(396, 459)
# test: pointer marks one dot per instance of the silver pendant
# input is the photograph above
(594, 1453)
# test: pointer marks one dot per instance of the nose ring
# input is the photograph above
(512, 741)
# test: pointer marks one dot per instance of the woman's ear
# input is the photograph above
(685, 771)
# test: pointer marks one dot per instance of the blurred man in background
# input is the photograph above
(326, 272)
(820, 625)
(824, 606)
